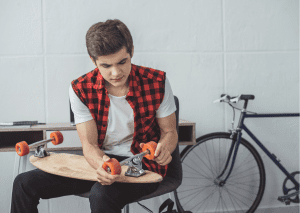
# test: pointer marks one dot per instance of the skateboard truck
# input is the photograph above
(135, 168)
(134, 163)
(22, 148)
(40, 151)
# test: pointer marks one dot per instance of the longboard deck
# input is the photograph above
(75, 166)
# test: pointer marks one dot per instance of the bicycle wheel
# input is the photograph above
(205, 161)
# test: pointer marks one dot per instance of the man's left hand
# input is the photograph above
(162, 154)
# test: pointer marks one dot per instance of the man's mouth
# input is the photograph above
(118, 79)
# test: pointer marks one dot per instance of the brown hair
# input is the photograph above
(105, 38)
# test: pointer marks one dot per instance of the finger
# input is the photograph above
(105, 158)
(102, 179)
(104, 176)
(164, 153)
(165, 161)
(105, 181)
(163, 157)
(157, 150)
(160, 157)
(141, 145)
(108, 177)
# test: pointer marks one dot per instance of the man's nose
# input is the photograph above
(116, 71)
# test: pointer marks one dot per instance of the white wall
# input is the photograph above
(207, 47)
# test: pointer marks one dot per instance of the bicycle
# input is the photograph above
(223, 172)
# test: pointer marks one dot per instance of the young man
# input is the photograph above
(118, 107)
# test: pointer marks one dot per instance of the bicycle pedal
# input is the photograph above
(284, 200)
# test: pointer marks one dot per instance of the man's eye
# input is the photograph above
(122, 62)
(106, 66)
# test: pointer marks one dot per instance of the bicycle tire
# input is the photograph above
(237, 196)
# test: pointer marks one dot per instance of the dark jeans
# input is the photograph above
(30, 186)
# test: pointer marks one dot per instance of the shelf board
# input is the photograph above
(186, 126)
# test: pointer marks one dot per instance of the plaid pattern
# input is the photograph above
(146, 92)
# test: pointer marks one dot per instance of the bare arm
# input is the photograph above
(169, 136)
(88, 135)
(168, 140)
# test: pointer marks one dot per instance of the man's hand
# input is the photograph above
(103, 176)
(162, 154)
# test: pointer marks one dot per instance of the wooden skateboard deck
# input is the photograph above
(75, 166)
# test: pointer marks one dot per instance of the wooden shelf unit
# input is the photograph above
(9, 136)
(187, 132)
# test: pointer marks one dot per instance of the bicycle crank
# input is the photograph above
(287, 187)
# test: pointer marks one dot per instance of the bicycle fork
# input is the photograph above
(236, 138)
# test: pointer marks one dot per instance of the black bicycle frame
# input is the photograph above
(237, 138)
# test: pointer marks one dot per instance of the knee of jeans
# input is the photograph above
(101, 197)
(97, 192)
(19, 184)
(100, 192)
(19, 180)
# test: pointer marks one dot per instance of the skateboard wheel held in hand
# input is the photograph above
(22, 148)
(58, 137)
(114, 166)
(151, 146)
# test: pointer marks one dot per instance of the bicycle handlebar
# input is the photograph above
(235, 99)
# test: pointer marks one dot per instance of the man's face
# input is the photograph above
(115, 68)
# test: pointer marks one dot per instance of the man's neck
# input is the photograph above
(117, 91)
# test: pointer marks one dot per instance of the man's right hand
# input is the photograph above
(103, 176)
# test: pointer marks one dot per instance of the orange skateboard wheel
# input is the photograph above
(58, 137)
(151, 146)
(22, 148)
(114, 166)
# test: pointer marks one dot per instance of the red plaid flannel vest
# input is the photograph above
(146, 92)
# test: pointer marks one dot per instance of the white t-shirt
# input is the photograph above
(120, 126)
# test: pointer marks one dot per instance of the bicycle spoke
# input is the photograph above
(219, 156)
(232, 175)
(189, 196)
(243, 188)
(230, 195)
(187, 171)
(231, 202)
(225, 160)
(218, 202)
(242, 183)
(203, 203)
(203, 162)
(209, 161)
(235, 199)
(241, 177)
(239, 195)
(204, 200)
(223, 201)
(197, 171)
(215, 160)
(196, 188)
(216, 168)
(241, 164)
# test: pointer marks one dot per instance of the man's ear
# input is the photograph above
(132, 51)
